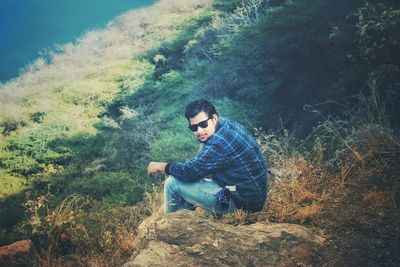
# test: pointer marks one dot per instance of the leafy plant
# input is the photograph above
(52, 227)
(378, 31)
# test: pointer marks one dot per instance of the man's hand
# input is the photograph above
(155, 167)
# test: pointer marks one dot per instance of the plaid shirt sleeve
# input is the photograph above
(210, 159)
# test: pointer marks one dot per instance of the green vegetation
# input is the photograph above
(77, 132)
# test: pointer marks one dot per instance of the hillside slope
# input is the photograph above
(316, 82)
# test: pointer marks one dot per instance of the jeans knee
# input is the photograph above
(170, 184)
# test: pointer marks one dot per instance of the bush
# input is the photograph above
(30, 151)
(38, 116)
(174, 146)
(378, 32)
(348, 152)
(296, 192)
(81, 229)
(11, 125)
(112, 187)
(126, 147)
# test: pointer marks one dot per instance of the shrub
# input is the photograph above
(296, 191)
(114, 187)
(126, 146)
(78, 230)
(30, 152)
(11, 125)
(378, 32)
(38, 116)
(344, 151)
(49, 226)
(21, 164)
(174, 146)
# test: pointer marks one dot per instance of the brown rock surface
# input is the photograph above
(19, 254)
(185, 238)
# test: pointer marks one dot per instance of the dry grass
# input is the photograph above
(309, 212)
(79, 232)
(296, 193)
(153, 200)
(113, 239)
(375, 198)
(341, 156)
(237, 217)
(306, 180)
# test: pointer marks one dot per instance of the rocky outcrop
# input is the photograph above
(186, 238)
(19, 254)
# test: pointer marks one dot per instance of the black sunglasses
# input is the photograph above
(202, 124)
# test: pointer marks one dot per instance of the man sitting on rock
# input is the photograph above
(228, 173)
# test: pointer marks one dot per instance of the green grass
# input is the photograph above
(10, 185)
(60, 121)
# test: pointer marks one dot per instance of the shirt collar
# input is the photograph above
(220, 124)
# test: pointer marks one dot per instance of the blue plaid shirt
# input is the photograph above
(230, 156)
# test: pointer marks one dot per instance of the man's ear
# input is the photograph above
(215, 117)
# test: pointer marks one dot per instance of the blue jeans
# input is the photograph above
(180, 195)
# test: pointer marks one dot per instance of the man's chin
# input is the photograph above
(202, 140)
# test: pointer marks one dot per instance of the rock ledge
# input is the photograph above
(185, 238)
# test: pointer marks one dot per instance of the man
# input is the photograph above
(228, 173)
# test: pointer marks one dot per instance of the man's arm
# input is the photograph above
(155, 167)
(209, 159)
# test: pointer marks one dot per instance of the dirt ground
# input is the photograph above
(362, 223)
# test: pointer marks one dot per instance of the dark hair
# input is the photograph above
(198, 106)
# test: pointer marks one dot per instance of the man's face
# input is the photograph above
(202, 134)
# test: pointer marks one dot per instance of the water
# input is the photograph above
(28, 27)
